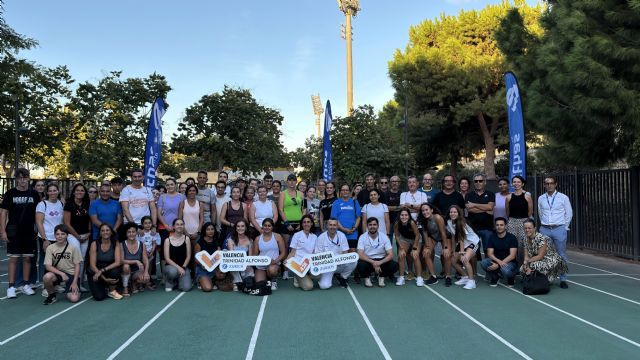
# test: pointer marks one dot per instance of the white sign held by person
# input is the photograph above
(328, 262)
(230, 260)
(209, 261)
(298, 264)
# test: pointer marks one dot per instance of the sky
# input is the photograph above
(282, 50)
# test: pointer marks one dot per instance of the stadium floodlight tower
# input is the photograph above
(317, 109)
(349, 8)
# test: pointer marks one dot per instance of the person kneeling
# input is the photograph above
(376, 254)
(135, 264)
(63, 266)
(336, 242)
(303, 244)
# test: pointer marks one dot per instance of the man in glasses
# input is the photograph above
(555, 212)
(427, 187)
(479, 205)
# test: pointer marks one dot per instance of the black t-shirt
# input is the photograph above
(21, 206)
(481, 221)
(444, 201)
(391, 198)
(325, 207)
(80, 220)
(502, 246)
(363, 197)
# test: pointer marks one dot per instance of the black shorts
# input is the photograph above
(67, 285)
(23, 244)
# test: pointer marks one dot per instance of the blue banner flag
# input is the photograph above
(327, 156)
(153, 151)
(517, 146)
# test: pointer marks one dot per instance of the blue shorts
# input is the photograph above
(202, 272)
(67, 285)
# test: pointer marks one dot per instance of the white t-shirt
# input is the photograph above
(337, 245)
(374, 248)
(219, 203)
(470, 238)
(416, 198)
(148, 240)
(205, 197)
(53, 213)
(303, 244)
(377, 211)
(138, 202)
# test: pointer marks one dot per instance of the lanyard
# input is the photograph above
(371, 242)
(337, 243)
(553, 200)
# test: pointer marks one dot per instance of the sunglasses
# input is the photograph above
(478, 181)
(383, 183)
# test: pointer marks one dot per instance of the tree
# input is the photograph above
(450, 80)
(231, 128)
(581, 79)
(36, 92)
(309, 158)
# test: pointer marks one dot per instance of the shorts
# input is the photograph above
(202, 272)
(24, 245)
(404, 241)
(472, 247)
(67, 285)
(285, 230)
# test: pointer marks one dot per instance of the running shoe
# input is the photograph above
(11, 293)
(419, 281)
(50, 299)
(367, 282)
(114, 295)
(343, 282)
(493, 283)
(462, 281)
(400, 281)
(381, 281)
(447, 282)
(471, 284)
(285, 275)
(274, 285)
(432, 280)
(27, 290)
(511, 282)
(411, 276)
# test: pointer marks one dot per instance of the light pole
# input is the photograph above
(317, 110)
(349, 8)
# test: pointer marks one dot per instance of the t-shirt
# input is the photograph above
(502, 246)
(303, 244)
(499, 210)
(169, 205)
(374, 248)
(377, 211)
(148, 240)
(444, 201)
(205, 196)
(79, 217)
(21, 206)
(106, 211)
(325, 207)
(337, 245)
(469, 238)
(431, 194)
(416, 198)
(138, 202)
(220, 201)
(53, 216)
(346, 212)
(483, 220)
(392, 199)
(313, 209)
(68, 259)
(363, 197)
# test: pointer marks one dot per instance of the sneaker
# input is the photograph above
(33, 286)
(367, 282)
(114, 295)
(381, 281)
(400, 281)
(447, 282)
(425, 274)
(493, 283)
(285, 275)
(235, 287)
(462, 281)
(168, 289)
(441, 276)
(83, 289)
(511, 282)
(356, 278)
(50, 299)
(411, 276)
(274, 285)
(11, 293)
(471, 284)
(432, 280)
(564, 285)
(419, 281)
(343, 282)
(45, 293)
(295, 282)
(59, 289)
(27, 290)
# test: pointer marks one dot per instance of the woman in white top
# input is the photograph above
(191, 213)
(272, 245)
(49, 213)
(467, 241)
(262, 209)
(499, 210)
(377, 210)
(303, 243)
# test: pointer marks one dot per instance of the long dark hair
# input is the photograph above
(85, 199)
(423, 220)
(460, 224)
(398, 222)
(203, 232)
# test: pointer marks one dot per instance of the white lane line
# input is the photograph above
(144, 327)
(4, 259)
(606, 271)
(584, 275)
(604, 292)
(256, 329)
(491, 332)
(5, 274)
(373, 332)
(573, 316)
(43, 321)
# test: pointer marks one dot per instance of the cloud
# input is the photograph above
(302, 59)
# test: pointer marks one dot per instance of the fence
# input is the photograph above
(65, 185)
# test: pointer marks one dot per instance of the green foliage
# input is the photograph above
(232, 129)
(309, 159)
(581, 79)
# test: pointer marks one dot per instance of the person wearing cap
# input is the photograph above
(290, 207)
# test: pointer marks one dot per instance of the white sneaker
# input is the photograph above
(295, 282)
(168, 289)
(471, 284)
(274, 285)
(419, 281)
(400, 281)
(27, 290)
(11, 293)
(235, 287)
(367, 282)
(285, 275)
(381, 281)
(462, 281)
(82, 289)
(45, 293)
(59, 289)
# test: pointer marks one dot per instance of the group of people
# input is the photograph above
(111, 237)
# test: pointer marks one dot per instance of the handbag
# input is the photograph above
(535, 283)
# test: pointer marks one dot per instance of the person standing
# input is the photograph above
(448, 196)
(499, 210)
(427, 187)
(392, 199)
(18, 212)
(117, 184)
(137, 200)
(326, 204)
(555, 212)
(49, 213)
(347, 211)
(369, 184)
(206, 197)
(220, 199)
(105, 210)
(413, 198)
(78, 222)
(479, 206)
(519, 206)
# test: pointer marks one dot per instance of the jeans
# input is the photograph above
(559, 237)
(507, 272)
(172, 274)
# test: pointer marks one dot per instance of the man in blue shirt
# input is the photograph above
(105, 210)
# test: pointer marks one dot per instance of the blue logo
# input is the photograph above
(315, 269)
(224, 266)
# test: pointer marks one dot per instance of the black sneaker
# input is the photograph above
(50, 299)
(343, 282)
(432, 280)
(441, 276)
(447, 282)
(356, 278)
(493, 282)
(564, 285)
(511, 281)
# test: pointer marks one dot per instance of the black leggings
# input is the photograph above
(388, 269)
(99, 289)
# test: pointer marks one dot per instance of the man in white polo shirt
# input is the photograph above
(137, 200)
(336, 242)
(376, 254)
(413, 198)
